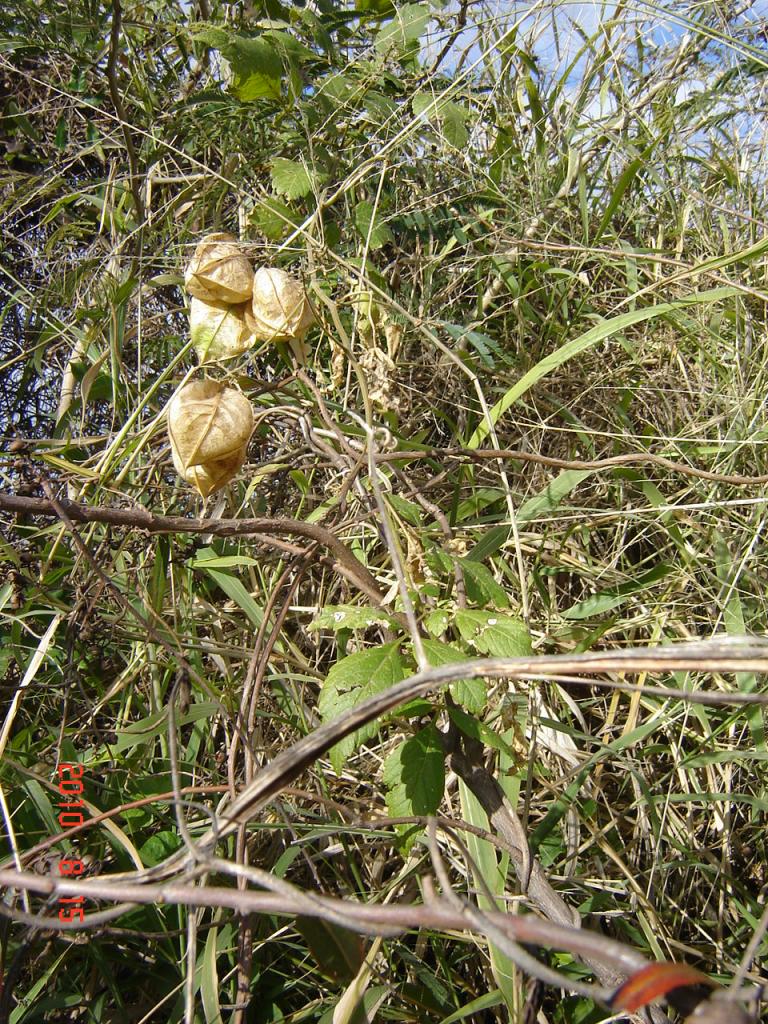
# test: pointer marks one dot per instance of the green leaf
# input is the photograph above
(436, 622)
(490, 543)
(351, 681)
(470, 693)
(477, 730)
(409, 510)
(622, 184)
(552, 495)
(487, 1001)
(489, 873)
(414, 774)
(256, 66)
(339, 952)
(495, 634)
(598, 604)
(209, 980)
(370, 227)
(603, 330)
(482, 588)
(349, 616)
(158, 847)
(290, 178)
(405, 29)
(450, 116)
(480, 499)
(209, 558)
(484, 345)
(274, 219)
(235, 590)
(733, 620)
(156, 724)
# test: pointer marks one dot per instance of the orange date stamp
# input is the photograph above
(70, 786)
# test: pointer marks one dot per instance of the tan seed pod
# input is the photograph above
(218, 271)
(280, 309)
(209, 426)
(218, 330)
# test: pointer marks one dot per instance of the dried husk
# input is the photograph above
(380, 378)
(209, 426)
(280, 309)
(218, 271)
(218, 330)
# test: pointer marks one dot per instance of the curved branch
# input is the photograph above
(346, 562)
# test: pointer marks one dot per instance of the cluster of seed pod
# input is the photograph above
(231, 309)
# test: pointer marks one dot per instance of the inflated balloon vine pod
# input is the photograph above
(232, 308)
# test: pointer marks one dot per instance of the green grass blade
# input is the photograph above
(585, 341)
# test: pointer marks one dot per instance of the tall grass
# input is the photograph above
(535, 240)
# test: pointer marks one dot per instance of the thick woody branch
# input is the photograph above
(345, 562)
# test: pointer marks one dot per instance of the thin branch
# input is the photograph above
(628, 459)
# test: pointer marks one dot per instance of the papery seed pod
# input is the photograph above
(209, 426)
(218, 330)
(218, 271)
(280, 309)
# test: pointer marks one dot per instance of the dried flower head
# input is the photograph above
(280, 310)
(218, 271)
(209, 426)
(218, 330)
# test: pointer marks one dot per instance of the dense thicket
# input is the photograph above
(523, 227)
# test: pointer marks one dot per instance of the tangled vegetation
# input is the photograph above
(527, 422)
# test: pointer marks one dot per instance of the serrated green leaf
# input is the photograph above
(470, 693)
(498, 635)
(273, 218)
(290, 178)
(349, 616)
(482, 588)
(371, 228)
(256, 65)
(414, 774)
(351, 681)
(436, 622)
